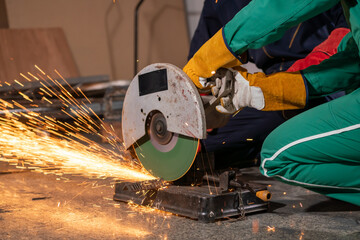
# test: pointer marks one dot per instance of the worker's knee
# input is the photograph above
(267, 154)
(277, 157)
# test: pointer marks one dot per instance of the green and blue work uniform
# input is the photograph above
(320, 148)
(239, 142)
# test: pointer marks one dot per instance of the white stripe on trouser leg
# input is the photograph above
(302, 140)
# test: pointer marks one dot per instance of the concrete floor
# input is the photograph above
(38, 206)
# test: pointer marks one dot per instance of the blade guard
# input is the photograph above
(165, 88)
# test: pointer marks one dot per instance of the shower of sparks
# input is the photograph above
(270, 229)
(301, 235)
(43, 143)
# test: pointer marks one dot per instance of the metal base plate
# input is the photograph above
(194, 202)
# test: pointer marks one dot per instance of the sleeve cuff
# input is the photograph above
(306, 87)
(243, 58)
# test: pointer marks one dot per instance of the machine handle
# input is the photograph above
(264, 195)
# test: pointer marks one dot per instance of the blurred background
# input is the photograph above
(100, 33)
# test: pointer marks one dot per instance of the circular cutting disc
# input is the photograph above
(169, 165)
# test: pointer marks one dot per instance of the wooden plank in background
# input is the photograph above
(21, 49)
(4, 21)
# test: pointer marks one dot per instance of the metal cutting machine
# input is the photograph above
(164, 117)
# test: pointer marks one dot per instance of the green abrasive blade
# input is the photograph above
(170, 165)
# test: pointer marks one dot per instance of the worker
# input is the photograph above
(318, 149)
(238, 143)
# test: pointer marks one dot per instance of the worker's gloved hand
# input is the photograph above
(279, 91)
(222, 82)
(241, 95)
(213, 55)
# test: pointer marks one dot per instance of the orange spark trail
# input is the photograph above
(35, 141)
(20, 142)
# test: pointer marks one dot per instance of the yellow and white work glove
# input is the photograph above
(279, 91)
(212, 55)
(242, 95)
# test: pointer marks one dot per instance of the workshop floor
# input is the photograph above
(38, 206)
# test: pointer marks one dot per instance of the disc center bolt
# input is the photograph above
(157, 129)
(160, 127)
